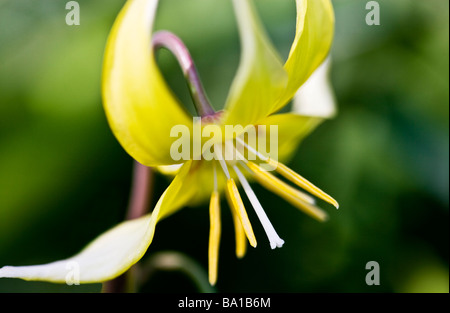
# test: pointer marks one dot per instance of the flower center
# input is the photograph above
(296, 197)
(230, 154)
(213, 118)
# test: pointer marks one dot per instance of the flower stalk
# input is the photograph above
(141, 191)
(171, 42)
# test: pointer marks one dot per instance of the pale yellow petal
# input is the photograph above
(312, 42)
(316, 97)
(260, 79)
(140, 107)
(292, 129)
(113, 252)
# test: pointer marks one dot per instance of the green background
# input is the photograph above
(64, 179)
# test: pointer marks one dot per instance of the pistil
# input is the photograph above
(274, 239)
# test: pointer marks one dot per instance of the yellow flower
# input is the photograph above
(142, 113)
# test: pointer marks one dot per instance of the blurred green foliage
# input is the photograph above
(64, 178)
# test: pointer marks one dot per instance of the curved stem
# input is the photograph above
(168, 40)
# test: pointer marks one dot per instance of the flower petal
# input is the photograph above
(140, 107)
(315, 97)
(169, 170)
(260, 79)
(312, 42)
(202, 176)
(113, 252)
(292, 128)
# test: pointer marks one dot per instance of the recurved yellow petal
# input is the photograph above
(140, 107)
(312, 42)
(113, 252)
(260, 79)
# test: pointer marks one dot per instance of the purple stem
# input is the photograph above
(140, 191)
(168, 40)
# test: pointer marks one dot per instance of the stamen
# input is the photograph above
(230, 152)
(241, 239)
(291, 195)
(274, 239)
(301, 182)
(241, 242)
(219, 157)
(302, 195)
(214, 236)
(236, 203)
(239, 156)
(215, 176)
(292, 176)
(252, 150)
